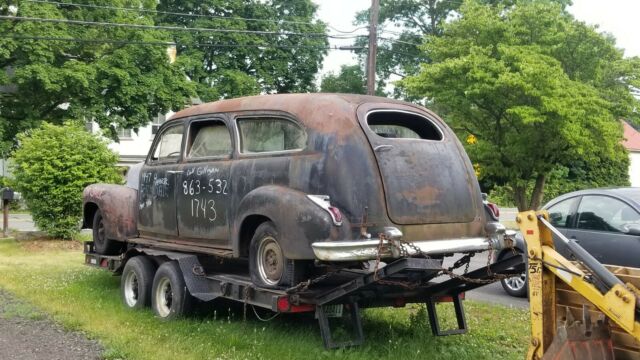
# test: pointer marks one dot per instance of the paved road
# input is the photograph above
(492, 293)
(21, 222)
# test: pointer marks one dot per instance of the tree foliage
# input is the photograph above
(115, 84)
(350, 80)
(285, 63)
(537, 89)
(52, 166)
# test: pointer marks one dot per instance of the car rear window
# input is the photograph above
(402, 125)
(266, 134)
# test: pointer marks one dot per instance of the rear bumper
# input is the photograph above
(392, 247)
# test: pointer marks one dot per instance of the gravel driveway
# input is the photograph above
(26, 334)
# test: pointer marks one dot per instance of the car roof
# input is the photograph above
(630, 195)
(292, 103)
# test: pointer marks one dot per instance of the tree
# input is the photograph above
(231, 64)
(534, 88)
(52, 166)
(113, 83)
(350, 80)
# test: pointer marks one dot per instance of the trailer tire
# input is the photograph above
(136, 282)
(101, 244)
(170, 298)
(268, 266)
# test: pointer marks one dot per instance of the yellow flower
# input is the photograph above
(471, 139)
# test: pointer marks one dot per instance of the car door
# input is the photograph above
(600, 226)
(158, 179)
(204, 191)
(561, 216)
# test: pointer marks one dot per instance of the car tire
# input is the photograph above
(268, 266)
(170, 298)
(101, 244)
(136, 282)
(517, 286)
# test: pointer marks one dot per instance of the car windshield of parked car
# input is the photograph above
(270, 135)
(209, 139)
(402, 125)
(603, 213)
(168, 147)
(560, 213)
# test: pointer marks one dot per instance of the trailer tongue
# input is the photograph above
(404, 281)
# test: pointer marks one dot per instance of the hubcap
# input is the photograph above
(270, 261)
(516, 283)
(131, 289)
(164, 297)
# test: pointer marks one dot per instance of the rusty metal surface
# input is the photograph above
(439, 197)
(118, 205)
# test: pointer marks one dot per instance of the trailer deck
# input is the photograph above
(403, 281)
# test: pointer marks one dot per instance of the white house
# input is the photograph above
(632, 144)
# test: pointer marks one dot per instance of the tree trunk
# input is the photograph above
(538, 192)
(520, 197)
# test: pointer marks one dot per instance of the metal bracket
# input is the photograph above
(325, 328)
(435, 323)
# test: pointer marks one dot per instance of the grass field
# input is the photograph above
(51, 277)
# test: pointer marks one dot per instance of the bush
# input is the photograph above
(51, 167)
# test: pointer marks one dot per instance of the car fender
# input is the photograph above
(299, 220)
(118, 205)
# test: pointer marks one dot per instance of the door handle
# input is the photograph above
(382, 148)
(174, 171)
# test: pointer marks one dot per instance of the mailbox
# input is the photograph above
(8, 194)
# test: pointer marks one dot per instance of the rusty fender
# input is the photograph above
(118, 206)
(299, 220)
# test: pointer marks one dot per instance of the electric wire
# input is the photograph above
(151, 11)
(173, 28)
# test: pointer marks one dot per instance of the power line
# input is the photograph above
(169, 43)
(173, 28)
(59, 3)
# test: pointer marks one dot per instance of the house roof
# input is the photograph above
(631, 140)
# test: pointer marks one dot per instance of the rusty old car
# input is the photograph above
(293, 182)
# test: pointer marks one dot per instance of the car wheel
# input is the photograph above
(170, 298)
(136, 282)
(101, 244)
(267, 264)
(516, 286)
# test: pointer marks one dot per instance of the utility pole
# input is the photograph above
(373, 47)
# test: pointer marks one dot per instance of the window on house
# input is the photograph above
(123, 133)
(157, 122)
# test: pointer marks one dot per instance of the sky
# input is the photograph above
(617, 17)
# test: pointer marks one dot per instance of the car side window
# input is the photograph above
(167, 148)
(603, 213)
(560, 213)
(209, 138)
(270, 134)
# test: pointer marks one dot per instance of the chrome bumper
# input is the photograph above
(392, 247)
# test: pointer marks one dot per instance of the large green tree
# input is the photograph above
(230, 64)
(534, 88)
(115, 84)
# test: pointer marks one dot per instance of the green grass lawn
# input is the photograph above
(51, 277)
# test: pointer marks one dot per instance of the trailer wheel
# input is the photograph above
(267, 264)
(101, 244)
(170, 297)
(136, 282)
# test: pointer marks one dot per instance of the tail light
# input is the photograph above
(323, 202)
(493, 208)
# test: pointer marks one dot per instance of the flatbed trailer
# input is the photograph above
(403, 281)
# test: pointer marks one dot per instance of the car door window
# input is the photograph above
(167, 148)
(270, 135)
(209, 139)
(603, 213)
(560, 213)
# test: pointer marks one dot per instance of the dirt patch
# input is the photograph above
(28, 334)
(45, 244)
